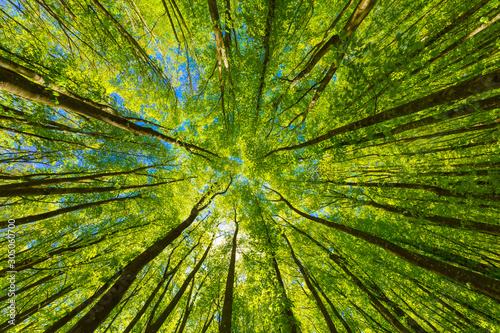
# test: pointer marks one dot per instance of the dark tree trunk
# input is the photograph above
(227, 308)
(16, 84)
(170, 307)
(289, 317)
(477, 282)
(15, 192)
(373, 299)
(112, 298)
(70, 180)
(332, 307)
(471, 87)
(44, 216)
(319, 302)
(37, 307)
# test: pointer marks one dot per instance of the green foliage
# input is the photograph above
(251, 133)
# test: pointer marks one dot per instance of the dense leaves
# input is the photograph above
(273, 166)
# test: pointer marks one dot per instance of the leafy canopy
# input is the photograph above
(353, 143)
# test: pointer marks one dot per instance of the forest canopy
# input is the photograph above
(261, 166)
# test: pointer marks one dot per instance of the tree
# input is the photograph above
(263, 166)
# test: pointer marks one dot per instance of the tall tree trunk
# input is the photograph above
(79, 190)
(319, 302)
(430, 188)
(139, 52)
(452, 222)
(477, 282)
(16, 84)
(289, 316)
(360, 12)
(481, 313)
(453, 310)
(397, 310)
(170, 307)
(166, 274)
(220, 47)
(206, 325)
(462, 110)
(449, 256)
(70, 180)
(190, 304)
(60, 211)
(32, 285)
(292, 325)
(111, 299)
(332, 307)
(471, 87)
(37, 307)
(267, 52)
(373, 299)
(227, 308)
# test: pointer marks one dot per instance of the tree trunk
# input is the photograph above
(289, 317)
(170, 307)
(475, 281)
(319, 303)
(37, 307)
(267, 52)
(227, 308)
(60, 211)
(70, 180)
(360, 12)
(471, 87)
(462, 110)
(30, 286)
(15, 84)
(206, 325)
(452, 222)
(430, 188)
(334, 310)
(110, 300)
(15, 192)
(373, 299)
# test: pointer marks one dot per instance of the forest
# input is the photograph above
(222, 166)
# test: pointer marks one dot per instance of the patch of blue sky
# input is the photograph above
(167, 145)
(181, 70)
(239, 160)
(184, 85)
(119, 101)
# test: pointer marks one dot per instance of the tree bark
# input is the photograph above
(319, 303)
(111, 299)
(485, 228)
(462, 110)
(373, 299)
(289, 316)
(430, 188)
(475, 281)
(471, 87)
(44, 216)
(360, 12)
(70, 180)
(267, 53)
(332, 307)
(164, 315)
(37, 307)
(6, 193)
(227, 308)
(32, 285)
(65, 319)
(16, 84)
